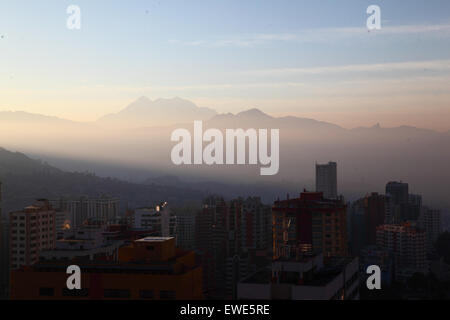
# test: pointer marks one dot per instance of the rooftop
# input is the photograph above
(155, 239)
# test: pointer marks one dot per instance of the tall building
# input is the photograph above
(408, 245)
(310, 223)
(326, 180)
(186, 227)
(4, 253)
(414, 207)
(357, 230)
(104, 208)
(148, 269)
(431, 221)
(4, 259)
(399, 192)
(366, 215)
(32, 230)
(397, 201)
(401, 206)
(232, 240)
(256, 222)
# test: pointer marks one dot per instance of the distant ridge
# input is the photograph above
(146, 113)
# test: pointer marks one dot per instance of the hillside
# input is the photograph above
(24, 179)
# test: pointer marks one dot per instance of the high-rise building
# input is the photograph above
(256, 225)
(186, 227)
(414, 207)
(366, 215)
(357, 229)
(431, 221)
(32, 230)
(397, 202)
(310, 223)
(4, 259)
(232, 239)
(148, 269)
(401, 206)
(4, 252)
(326, 180)
(399, 192)
(408, 245)
(104, 208)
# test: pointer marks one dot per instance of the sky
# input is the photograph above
(313, 59)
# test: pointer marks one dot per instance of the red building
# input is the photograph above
(309, 223)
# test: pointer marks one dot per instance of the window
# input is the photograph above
(146, 294)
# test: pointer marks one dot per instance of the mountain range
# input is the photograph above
(135, 145)
(162, 112)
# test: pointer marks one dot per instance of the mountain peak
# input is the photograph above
(144, 112)
(253, 113)
(143, 99)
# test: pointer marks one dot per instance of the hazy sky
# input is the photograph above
(305, 58)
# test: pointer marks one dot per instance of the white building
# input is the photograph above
(158, 219)
(326, 180)
(104, 209)
(87, 242)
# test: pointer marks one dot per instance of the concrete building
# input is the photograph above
(305, 278)
(408, 245)
(366, 215)
(4, 253)
(310, 223)
(148, 269)
(326, 180)
(159, 219)
(32, 230)
(186, 228)
(431, 221)
(88, 242)
(401, 206)
(104, 208)
(232, 240)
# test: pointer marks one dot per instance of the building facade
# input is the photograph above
(32, 230)
(408, 245)
(310, 223)
(148, 269)
(104, 208)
